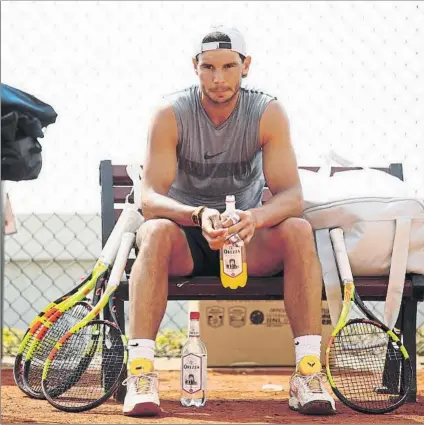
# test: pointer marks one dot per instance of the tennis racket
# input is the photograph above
(43, 342)
(32, 329)
(37, 347)
(367, 365)
(83, 368)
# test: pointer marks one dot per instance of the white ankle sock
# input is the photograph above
(141, 348)
(307, 345)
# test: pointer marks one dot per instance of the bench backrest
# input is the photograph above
(116, 185)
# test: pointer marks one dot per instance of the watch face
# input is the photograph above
(195, 218)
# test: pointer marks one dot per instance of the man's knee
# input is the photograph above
(296, 227)
(160, 230)
(296, 232)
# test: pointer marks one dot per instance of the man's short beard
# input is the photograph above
(225, 101)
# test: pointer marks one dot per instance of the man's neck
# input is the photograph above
(219, 113)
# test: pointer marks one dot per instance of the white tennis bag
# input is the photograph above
(383, 229)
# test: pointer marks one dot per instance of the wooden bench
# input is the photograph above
(116, 185)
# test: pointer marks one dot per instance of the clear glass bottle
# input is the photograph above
(193, 366)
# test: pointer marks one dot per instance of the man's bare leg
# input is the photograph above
(292, 244)
(302, 278)
(163, 251)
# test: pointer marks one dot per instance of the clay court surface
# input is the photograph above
(235, 396)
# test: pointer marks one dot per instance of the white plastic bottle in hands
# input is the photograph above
(233, 266)
(193, 366)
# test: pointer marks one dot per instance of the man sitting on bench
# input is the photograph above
(211, 140)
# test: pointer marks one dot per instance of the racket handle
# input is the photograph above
(118, 268)
(340, 251)
(129, 221)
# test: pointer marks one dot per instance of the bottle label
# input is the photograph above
(232, 260)
(194, 331)
(193, 374)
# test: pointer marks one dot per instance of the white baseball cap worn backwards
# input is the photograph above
(236, 43)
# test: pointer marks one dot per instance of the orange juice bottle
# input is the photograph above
(233, 266)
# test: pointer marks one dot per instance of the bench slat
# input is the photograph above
(203, 288)
(120, 176)
(120, 193)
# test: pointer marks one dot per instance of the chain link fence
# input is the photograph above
(45, 258)
(350, 75)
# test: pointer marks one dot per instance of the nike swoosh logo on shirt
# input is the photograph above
(207, 156)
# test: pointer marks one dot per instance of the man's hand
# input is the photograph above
(245, 228)
(212, 229)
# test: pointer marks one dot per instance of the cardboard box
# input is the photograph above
(251, 333)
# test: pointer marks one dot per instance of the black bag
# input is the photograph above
(21, 159)
(23, 117)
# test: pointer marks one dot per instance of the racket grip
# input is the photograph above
(118, 268)
(337, 238)
(129, 221)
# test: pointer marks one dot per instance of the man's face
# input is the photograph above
(220, 73)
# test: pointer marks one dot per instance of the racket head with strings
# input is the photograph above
(93, 353)
(77, 372)
(48, 335)
(92, 360)
(32, 329)
(109, 379)
(129, 221)
(367, 365)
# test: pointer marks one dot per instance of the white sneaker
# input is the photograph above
(307, 392)
(142, 398)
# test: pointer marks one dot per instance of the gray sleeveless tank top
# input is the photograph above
(215, 161)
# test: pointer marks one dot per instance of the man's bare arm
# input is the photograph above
(159, 170)
(280, 170)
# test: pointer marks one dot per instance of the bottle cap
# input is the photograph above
(230, 198)
(194, 315)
